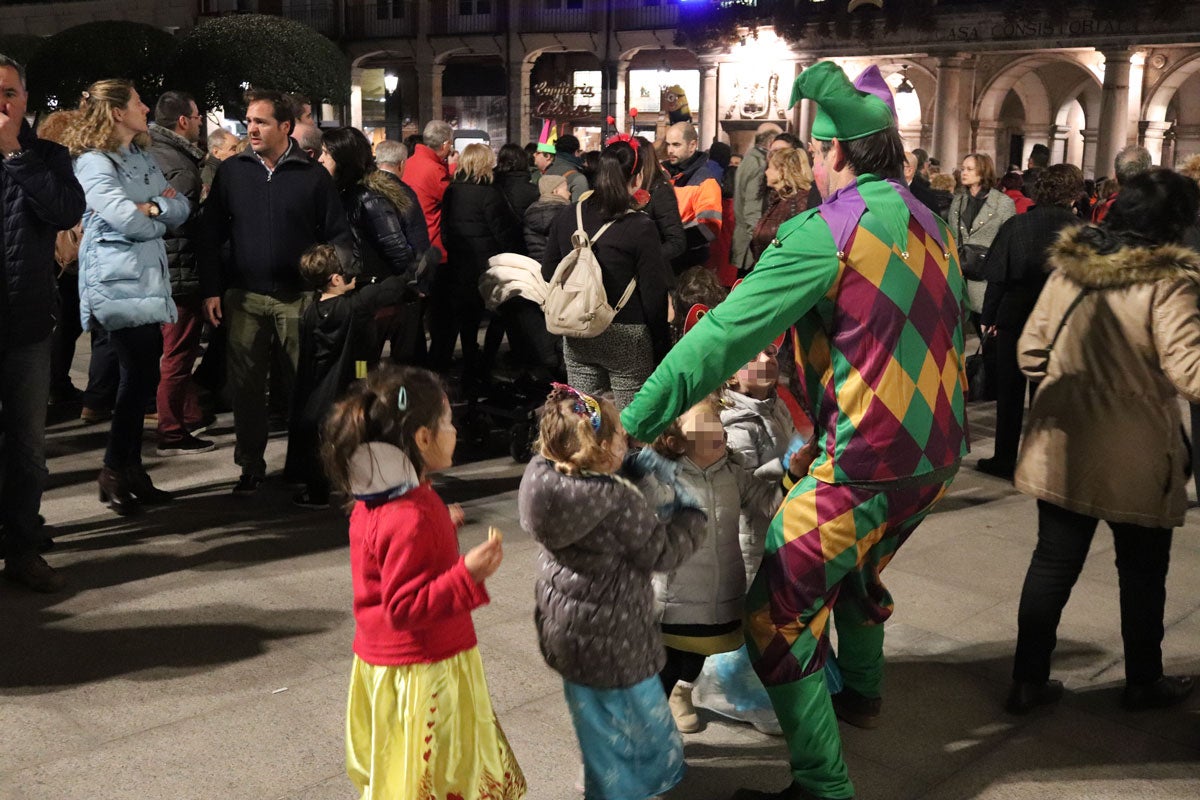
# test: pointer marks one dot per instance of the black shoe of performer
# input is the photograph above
(857, 709)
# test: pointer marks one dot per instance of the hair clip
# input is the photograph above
(402, 399)
(85, 94)
(586, 406)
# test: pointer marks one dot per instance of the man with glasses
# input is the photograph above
(174, 134)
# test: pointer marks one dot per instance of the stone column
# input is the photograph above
(356, 105)
(429, 87)
(947, 113)
(519, 70)
(708, 103)
(1058, 142)
(621, 109)
(1137, 76)
(1114, 110)
(986, 132)
(1091, 136)
(1154, 139)
(805, 109)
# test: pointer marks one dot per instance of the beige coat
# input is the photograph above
(1104, 436)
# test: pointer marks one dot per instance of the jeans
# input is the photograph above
(24, 391)
(1143, 555)
(138, 351)
(255, 321)
(178, 405)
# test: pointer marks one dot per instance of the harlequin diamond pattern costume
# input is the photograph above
(868, 286)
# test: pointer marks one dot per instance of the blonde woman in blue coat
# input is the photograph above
(124, 286)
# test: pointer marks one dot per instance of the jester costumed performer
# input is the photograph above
(870, 289)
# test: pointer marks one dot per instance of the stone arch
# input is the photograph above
(987, 106)
(1154, 108)
(1089, 93)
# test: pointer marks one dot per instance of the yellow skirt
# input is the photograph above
(427, 732)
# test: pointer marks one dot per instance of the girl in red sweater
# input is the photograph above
(419, 719)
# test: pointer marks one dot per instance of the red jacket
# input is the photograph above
(1022, 202)
(429, 176)
(412, 593)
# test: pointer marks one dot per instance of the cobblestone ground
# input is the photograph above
(203, 652)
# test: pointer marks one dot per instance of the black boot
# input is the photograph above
(143, 489)
(114, 490)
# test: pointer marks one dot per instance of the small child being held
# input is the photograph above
(419, 719)
(337, 344)
(600, 542)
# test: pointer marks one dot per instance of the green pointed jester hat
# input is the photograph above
(844, 112)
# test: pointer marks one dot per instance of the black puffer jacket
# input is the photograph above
(180, 163)
(538, 218)
(600, 541)
(380, 246)
(476, 225)
(39, 197)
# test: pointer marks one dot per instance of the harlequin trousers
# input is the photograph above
(824, 554)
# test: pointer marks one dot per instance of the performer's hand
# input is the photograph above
(803, 458)
(457, 515)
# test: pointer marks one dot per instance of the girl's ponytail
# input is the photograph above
(390, 405)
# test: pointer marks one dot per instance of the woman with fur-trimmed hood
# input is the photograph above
(1115, 335)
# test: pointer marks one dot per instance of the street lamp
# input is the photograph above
(391, 113)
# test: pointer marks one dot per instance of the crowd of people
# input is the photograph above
(721, 472)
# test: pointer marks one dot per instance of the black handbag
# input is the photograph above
(972, 258)
(981, 369)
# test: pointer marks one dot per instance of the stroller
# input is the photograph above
(513, 287)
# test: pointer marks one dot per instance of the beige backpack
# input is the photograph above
(576, 303)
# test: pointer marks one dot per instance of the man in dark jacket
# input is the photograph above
(39, 197)
(270, 204)
(174, 134)
(918, 184)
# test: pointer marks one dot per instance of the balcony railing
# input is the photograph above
(381, 20)
(645, 14)
(563, 16)
(316, 14)
(467, 16)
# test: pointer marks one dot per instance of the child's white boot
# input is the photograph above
(686, 718)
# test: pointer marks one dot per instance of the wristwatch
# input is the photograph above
(154, 209)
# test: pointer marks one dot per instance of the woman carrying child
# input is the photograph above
(600, 541)
(419, 721)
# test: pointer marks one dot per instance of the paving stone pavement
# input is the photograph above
(203, 651)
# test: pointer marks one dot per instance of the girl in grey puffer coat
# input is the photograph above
(600, 541)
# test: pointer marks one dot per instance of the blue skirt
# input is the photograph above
(631, 748)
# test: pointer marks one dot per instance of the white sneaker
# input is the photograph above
(686, 718)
